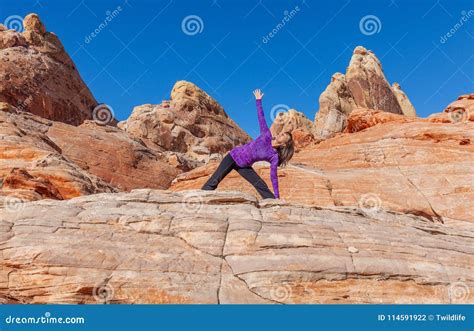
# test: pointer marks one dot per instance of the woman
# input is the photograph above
(276, 150)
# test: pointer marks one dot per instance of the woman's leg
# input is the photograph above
(253, 178)
(226, 166)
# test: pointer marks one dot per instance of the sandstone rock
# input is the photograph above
(408, 165)
(19, 180)
(303, 138)
(6, 107)
(32, 166)
(367, 83)
(89, 158)
(8, 39)
(38, 76)
(112, 155)
(335, 104)
(462, 109)
(363, 86)
(193, 125)
(32, 23)
(440, 118)
(403, 101)
(152, 246)
(298, 124)
(362, 118)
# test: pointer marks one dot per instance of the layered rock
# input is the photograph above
(33, 167)
(364, 85)
(46, 159)
(414, 166)
(111, 154)
(38, 76)
(20, 184)
(192, 124)
(152, 246)
(298, 124)
(462, 109)
(363, 118)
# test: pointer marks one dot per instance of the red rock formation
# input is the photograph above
(390, 161)
(112, 155)
(462, 109)
(156, 144)
(32, 165)
(193, 125)
(362, 118)
(364, 85)
(38, 76)
(367, 83)
(19, 180)
(298, 124)
(46, 159)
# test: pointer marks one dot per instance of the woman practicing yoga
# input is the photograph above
(276, 150)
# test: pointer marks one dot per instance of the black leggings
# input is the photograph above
(226, 166)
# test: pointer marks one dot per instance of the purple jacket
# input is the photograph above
(259, 149)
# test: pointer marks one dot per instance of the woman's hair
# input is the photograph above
(285, 152)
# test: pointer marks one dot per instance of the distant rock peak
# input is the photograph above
(363, 85)
(38, 76)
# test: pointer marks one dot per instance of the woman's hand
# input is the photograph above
(258, 94)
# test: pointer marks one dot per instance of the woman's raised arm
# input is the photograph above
(261, 116)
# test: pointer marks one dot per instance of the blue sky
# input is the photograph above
(144, 50)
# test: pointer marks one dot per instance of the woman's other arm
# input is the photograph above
(274, 176)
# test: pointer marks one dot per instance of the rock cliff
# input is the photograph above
(38, 76)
